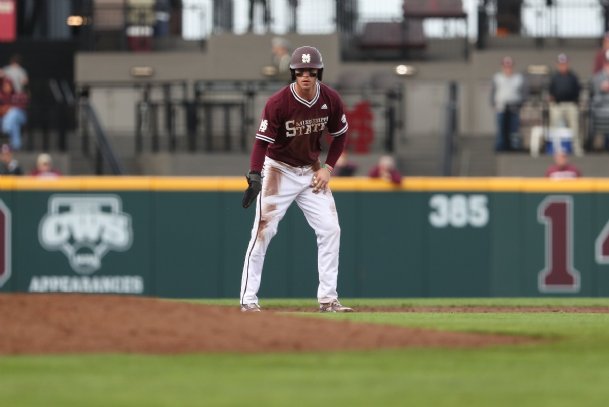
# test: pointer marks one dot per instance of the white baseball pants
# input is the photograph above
(283, 184)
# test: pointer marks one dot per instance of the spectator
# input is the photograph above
(599, 58)
(16, 73)
(6, 93)
(508, 92)
(44, 167)
(12, 111)
(8, 164)
(564, 92)
(281, 58)
(385, 169)
(344, 167)
(562, 169)
(600, 96)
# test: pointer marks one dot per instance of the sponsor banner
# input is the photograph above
(86, 243)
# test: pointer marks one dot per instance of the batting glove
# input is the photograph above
(254, 182)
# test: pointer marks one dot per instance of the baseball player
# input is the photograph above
(285, 167)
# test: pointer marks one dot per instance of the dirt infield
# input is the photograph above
(73, 323)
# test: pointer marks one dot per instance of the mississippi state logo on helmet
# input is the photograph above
(306, 57)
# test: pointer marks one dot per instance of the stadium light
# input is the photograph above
(142, 71)
(76, 21)
(538, 69)
(405, 70)
(269, 71)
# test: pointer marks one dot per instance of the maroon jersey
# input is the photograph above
(293, 126)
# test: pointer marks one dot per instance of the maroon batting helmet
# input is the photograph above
(306, 57)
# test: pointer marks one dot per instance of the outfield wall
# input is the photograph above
(186, 237)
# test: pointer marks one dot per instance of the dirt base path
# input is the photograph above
(74, 323)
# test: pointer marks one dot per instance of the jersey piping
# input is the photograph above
(341, 131)
(305, 102)
(264, 138)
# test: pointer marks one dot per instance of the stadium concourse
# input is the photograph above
(419, 132)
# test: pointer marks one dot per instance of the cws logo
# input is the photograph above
(85, 228)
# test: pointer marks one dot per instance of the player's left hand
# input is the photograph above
(254, 185)
(320, 180)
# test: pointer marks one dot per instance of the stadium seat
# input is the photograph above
(433, 9)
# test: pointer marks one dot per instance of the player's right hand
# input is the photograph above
(320, 180)
(254, 185)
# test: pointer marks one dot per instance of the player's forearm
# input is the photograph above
(336, 148)
(258, 153)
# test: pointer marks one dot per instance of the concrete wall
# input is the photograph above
(220, 164)
(593, 166)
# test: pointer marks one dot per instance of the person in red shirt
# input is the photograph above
(562, 169)
(44, 167)
(285, 167)
(599, 58)
(385, 169)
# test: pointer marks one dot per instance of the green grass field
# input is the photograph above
(570, 369)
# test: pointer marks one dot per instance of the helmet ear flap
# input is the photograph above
(293, 73)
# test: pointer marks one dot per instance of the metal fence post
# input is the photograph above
(450, 129)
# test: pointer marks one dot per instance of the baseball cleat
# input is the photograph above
(334, 306)
(250, 307)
